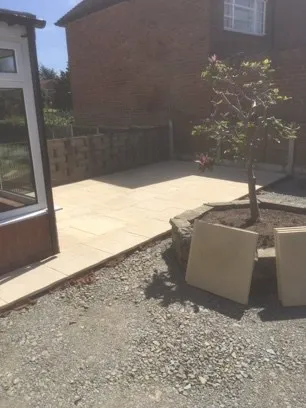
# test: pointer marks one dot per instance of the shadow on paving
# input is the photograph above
(168, 171)
(23, 270)
(170, 287)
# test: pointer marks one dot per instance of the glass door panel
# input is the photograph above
(17, 184)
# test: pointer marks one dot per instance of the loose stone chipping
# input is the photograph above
(139, 337)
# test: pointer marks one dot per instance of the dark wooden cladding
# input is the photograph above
(25, 242)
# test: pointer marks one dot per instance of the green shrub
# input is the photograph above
(55, 118)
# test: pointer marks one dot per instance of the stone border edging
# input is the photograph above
(182, 225)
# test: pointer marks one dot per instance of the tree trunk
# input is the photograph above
(252, 192)
(252, 180)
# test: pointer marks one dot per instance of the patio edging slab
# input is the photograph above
(18, 303)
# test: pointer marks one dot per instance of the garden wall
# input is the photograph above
(92, 152)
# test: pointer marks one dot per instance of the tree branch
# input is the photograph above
(239, 113)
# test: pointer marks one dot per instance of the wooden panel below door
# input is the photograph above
(25, 242)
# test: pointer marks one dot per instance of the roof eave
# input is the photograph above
(77, 12)
(13, 17)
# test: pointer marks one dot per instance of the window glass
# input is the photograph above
(7, 61)
(260, 18)
(245, 3)
(246, 16)
(17, 186)
(243, 20)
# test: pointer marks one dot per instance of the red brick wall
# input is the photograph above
(289, 23)
(226, 43)
(139, 62)
(285, 28)
(290, 68)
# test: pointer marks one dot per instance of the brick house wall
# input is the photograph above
(289, 24)
(139, 63)
(226, 43)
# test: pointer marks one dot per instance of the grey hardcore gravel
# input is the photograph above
(138, 337)
(291, 191)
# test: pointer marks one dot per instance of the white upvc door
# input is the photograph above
(12, 84)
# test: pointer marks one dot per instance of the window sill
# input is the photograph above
(231, 30)
(24, 217)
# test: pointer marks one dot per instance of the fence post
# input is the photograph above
(219, 152)
(291, 150)
(171, 142)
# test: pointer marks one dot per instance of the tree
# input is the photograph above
(244, 97)
(62, 97)
(47, 73)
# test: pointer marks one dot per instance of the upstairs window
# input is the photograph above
(7, 61)
(245, 16)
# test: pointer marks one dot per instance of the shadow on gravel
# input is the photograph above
(264, 296)
(271, 308)
(293, 186)
(277, 312)
(170, 287)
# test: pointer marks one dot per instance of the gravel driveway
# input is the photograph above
(289, 191)
(137, 337)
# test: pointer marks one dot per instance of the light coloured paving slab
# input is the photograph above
(69, 237)
(116, 242)
(156, 204)
(128, 215)
(96, 225)
(291, 266)
(221, 260)
(77, 258)
(166, 214)
(150, 228)
(33, 280)
(97, 209)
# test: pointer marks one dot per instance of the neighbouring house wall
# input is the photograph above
(139, 63)
(285, 28)
(285, 44)
(225, 43)
(290, 65)
(24, 242)
(92, 155)
(289, 24)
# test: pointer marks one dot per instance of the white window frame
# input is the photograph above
(23, 80)
(233, 4)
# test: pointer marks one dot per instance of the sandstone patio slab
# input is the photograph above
(96, 209)
(221, 260)
(290, 247)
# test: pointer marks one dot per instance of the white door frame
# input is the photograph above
(23, 80)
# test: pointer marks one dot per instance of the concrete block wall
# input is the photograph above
(81, 157)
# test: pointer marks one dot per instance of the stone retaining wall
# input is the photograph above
(108, 150)
(182, 229)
